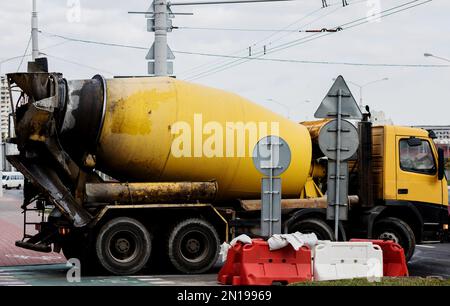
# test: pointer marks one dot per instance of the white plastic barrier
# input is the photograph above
(346, 260)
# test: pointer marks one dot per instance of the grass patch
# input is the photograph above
(385, 281)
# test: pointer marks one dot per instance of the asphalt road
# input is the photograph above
(431, 260)
(20, 267)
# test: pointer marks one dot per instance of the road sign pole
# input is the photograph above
(338, 146)
(271, 156)
(338, 165)
(271, 190)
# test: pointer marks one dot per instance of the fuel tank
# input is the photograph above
(160, 129)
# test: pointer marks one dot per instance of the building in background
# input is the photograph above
(5, 107)
(379, 118)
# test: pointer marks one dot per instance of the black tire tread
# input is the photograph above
(172, 255)
(122, 270)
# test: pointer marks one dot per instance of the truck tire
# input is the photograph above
(193, 246)
(123, 246)
(394, 229)
(317, 226)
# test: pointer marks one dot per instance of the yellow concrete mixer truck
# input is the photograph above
(130, 172)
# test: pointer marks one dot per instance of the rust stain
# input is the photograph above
(132, 115)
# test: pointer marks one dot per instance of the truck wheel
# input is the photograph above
(193, 246)
(123, 246)
(398, 231)
(317, 226)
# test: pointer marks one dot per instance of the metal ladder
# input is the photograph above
(34, 242)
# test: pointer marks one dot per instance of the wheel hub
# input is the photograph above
(122, 245)
(389, 236)
(193, 246)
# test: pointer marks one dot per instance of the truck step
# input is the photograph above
(39, 247)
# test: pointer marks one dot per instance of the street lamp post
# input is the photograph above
(361, 87)
(438, 57)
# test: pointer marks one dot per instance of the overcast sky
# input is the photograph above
(410, 96)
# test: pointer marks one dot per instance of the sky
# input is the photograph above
(410, 96)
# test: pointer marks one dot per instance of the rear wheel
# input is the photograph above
(193, 246)
(398, 231)
(123, 246)
(317, 226)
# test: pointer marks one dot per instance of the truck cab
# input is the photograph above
(409, 202)
(400, 183)
(408, 168)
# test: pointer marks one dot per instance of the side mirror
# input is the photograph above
(414, 142)
(441, 164)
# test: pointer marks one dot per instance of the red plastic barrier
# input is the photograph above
(255, 264)
(394, 261)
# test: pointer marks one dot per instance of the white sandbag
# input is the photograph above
(296, 240)
(226, 246)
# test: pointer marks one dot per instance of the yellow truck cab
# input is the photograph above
(409, 188)
(409, 169)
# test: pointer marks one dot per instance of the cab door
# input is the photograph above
(417, 177)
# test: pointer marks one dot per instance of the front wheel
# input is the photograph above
(317, 226)
(398, 231)
(123, 246)
(193, 246)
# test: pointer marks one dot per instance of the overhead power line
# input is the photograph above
(319, 62)
(351, 24)
(252, 58)
(212, 63)
(237, 29)
(2, 61)
(259, 58)
(77, 63)
(223, 2)
(24, 54)
(284, 35)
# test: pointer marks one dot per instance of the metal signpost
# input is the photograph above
(271, 156)
(339, 141)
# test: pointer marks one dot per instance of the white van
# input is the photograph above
(12, 180)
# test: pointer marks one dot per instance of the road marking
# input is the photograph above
(426, 246)
(11, 283)
(150, 279)
(162, 283)
(43, 257)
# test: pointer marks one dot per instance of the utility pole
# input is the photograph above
(159, 20)
(34, 32)
(160, 46)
